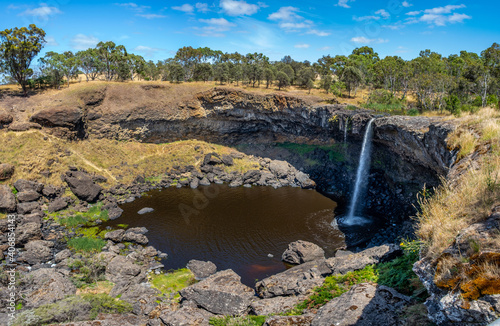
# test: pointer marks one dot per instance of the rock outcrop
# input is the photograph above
(300, 251)
(82, 185)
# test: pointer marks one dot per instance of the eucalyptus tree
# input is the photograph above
(18, 47)
(282, 79)
(66, 64)
(89, 63)
(268, 76)
(111, 55)
(352, 77)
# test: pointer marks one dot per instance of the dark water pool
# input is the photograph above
(235, 228)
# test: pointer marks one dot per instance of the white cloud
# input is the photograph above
(51, 41)
(238, 8)
(43, 11)
(364, 40)
(133, 6)
(383, 13)
(439, 16)
(289, 25)
(83, 42)
(151, 16)
(394, 26)
(325, 48)
(285, 13)
(149, 51)
(215, 27)
(219, 22)
(363, 18)
(317, 32)
(187, 8)
(202, 7)
(343, 3)
(302, 46)
(406, 4)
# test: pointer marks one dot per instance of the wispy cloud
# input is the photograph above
(51, 41)
(379, 14)
(215, 27)
(317, 32)
(187, 8)
(285, 13)
(439, 16)
(133, 6)
(406, 4)
(325, 48)
(44, 11)
(239, 8)
(202, 7)
(402, 49)
(151, 16)
(83, 42)
(302, 46)
(148, 51)
(364, 40)
(343, 3)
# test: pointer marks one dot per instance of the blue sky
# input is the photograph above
(306, 30)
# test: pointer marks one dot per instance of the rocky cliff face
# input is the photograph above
(408, 152)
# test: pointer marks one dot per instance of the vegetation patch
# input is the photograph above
(169, 284)
(86, 244)
(238, 321)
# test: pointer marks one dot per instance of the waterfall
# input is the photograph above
(346, 123)
(361, 174)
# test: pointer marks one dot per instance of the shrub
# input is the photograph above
(492, 101)
(238, 321)
(86, 244)
(383, 100)
(412, 112)
(453, 104)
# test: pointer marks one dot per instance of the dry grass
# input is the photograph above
(96, 288)
(451, 209)
(31, 152)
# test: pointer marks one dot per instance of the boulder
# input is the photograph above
(186, 316)
(212, 159)
(114, 211)
(57, 205)
(279, 168)
(201, 269)
(135, 237)
(300, 252)
(115, 236)
(138, 230)
(227, 160)
(44, 286)
(6, 171)
(7, 199)
(66, 117)
(23, 126)
(27, 232)
(82, 185)
(28, 195)
(121, 269)
(5, 118)
(145, 210)
(221, 293)
(252, 176)
(143, 298)
(26, 208)
(364, 304)
(275, 305)
(51, 191)
(24, 185)
(304, 181)
(37, 251)
(62, 255)
(204, 182)
(303, 320)
(194, 183)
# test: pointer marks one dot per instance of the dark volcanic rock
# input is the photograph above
(5, 118)
(82, 185)
(121, 269)
(25, 185)
(28, 195)
(45, 286)
(364, 304)
(37, 251)
(227, 160)
(300, 251)
(26, 208)
(303, 320)
(275, 305)
(135, 237)
(201, 269)
(59, 117)
(222, 293)
(57, 205)
(6, 171)
(186, 316)
(212, 159)
(23, 126)
(115, 236)
(7, 199)
(251, 176)
(27, 232)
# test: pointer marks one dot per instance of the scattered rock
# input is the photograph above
(304, 181)
(115, 236)
(145, 210)
(45, 285)
(27, 232)
(23, 126)
(26, 208)
(5, 118)
(186, 316)
(135, 237)
(251, 176)
(222, 293)
(212, 159)
(363, 304)
(204, 182)
(303, 320)
(62, 255)
(37, 251)
(28, 195)
(300, 252)
(57, 205)
(7, 199)
(25, 185)
(275, 305)
(227, 160)
(138, 230)
(6, 170)
(201, 269)
(194, 183)
(82, 186)
(121, 269)
(279, 168)
(50, 191)
(114, 211)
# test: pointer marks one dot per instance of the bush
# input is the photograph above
(383, 100)
(412, 112)
(492, 101)
(238, 321)
(453, 104)
(86, 244)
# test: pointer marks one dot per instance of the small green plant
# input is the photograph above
(123, 226)
(172, 282)
(103, 303)
(238, 321)
(86, 244)
(412, 112)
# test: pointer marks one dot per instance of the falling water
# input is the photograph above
(364, 166)
(346, 123)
